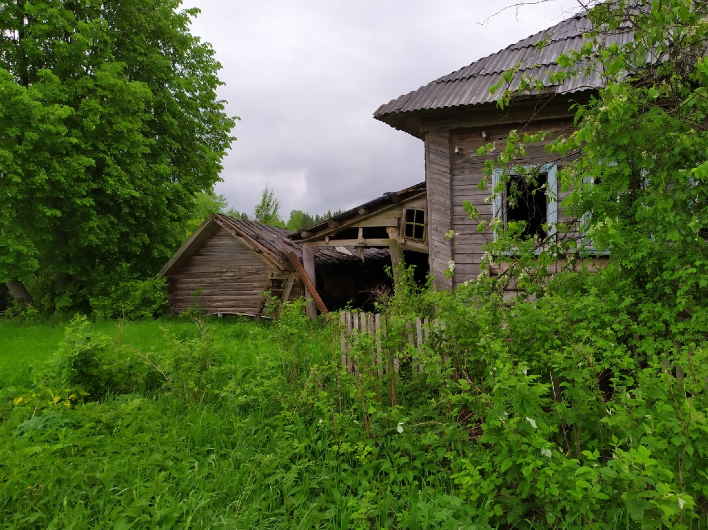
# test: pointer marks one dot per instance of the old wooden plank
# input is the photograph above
(311, 291)
(396, 252)
(392, 220)
(288, 287)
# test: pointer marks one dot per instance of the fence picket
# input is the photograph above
(355, 323)
(379, 360)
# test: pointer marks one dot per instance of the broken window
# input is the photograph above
(414, 224)
(526, 202)
(530, 199)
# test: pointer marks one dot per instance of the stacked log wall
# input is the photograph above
(226, 276)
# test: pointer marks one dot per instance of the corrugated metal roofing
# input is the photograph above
(470, 85)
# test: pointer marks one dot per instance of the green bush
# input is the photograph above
(132, 299)
(90, 365)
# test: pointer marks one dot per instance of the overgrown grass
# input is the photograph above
(25, 344)
(231, 424)
(258, 450)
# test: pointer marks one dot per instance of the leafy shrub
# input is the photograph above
(132, 299)
(90, 364)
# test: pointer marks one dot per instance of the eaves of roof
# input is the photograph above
(470, 86)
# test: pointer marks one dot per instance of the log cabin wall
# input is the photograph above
(449, 187)
(437, 179)
(229, 277)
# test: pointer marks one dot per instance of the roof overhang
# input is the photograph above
(521, 110)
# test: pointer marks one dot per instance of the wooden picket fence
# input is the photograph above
(357, 323)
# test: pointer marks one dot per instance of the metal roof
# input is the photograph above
(469, 86)
(370, 207)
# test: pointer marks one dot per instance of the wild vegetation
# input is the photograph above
(110, 125)
(581, 403)
(565, 412)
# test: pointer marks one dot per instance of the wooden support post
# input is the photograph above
(310, 290)
(396, 252)
(350, 363)
(308, 262)
(288, 287)
(345, 337)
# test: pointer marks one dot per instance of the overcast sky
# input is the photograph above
(305, 77)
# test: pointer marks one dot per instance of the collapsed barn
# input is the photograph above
(228, 265)
(397, 221)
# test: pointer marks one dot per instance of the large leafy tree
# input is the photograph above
(614, 361)
(109, 125)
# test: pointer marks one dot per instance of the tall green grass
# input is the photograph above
(259, 451)
(235, 425)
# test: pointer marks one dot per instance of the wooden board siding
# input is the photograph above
(229, 277)
(437, 178)
(466, 169)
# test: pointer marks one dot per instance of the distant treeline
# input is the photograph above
(267, 211)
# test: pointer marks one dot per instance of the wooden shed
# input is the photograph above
(227, 265)
(456, 114)
(397, 221)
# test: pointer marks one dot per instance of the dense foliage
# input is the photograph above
(110, 126)
(540, 415)
(581, 403)
(599, 378)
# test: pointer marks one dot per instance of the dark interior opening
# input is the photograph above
(526, 201)
(420, 261)
(347, 233)
(359, 285)
(375, 232)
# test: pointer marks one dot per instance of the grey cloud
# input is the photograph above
(306, 76)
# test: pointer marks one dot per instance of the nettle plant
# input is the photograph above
(586, 398)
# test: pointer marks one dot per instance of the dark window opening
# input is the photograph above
(414, 224)
(421, 268)
(347, 233)
(526, 201)
(375, 232)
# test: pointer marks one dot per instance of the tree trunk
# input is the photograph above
(19, 293)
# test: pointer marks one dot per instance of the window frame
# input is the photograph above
(499, 206)
(589, 249)
(405, 223)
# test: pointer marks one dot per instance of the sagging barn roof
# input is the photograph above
(368, 208)
(270, 242)
(470, 86)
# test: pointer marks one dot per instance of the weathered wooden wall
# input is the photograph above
(229, 277)
(450, 185)
(437, 177)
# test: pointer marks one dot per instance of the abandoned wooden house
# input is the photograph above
(228, 265)
(456, 114)
(397, 221)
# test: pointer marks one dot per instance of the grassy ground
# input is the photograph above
(253, 444)
(235, 425)
(24, 345)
